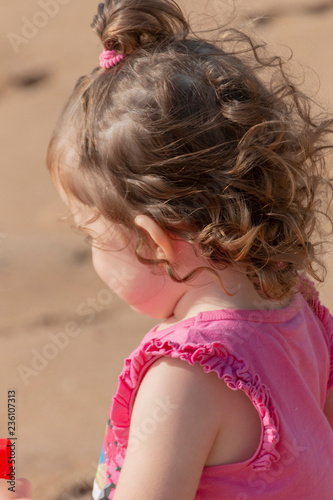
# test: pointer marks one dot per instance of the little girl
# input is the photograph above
(197, 169)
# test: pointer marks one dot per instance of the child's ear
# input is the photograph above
(161, 243)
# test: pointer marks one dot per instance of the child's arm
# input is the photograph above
(173, 427)
(328, 408)
(176, 417)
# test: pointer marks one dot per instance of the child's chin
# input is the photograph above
(144, 312)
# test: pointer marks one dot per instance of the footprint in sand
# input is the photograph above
(76, 492)
(23, 79)
(28, 78)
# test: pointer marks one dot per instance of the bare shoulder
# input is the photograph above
(171, 433)
(182, 420)
(226, 418)
(184, 382)
(186, 393)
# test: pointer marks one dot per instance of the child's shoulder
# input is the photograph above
(195, 419)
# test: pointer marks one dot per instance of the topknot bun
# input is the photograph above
(126, 25)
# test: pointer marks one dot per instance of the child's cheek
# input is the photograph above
(134, 282)
(112, 269)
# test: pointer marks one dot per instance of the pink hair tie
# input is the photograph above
(109, 58)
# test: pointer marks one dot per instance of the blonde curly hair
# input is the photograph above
(212, 140)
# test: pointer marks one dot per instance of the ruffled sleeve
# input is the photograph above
(212, 357)
(311, 295)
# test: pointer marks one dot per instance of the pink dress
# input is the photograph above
(283, 360)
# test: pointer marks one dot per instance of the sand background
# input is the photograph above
(46, 279)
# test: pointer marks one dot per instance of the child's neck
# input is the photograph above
(206, 294)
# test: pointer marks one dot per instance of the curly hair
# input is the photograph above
(213, 140)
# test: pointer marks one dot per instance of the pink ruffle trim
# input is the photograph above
(311, 295)
(212, 357)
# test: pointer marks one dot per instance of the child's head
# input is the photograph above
(195, 136)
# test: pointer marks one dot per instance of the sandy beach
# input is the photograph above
(63, 335)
